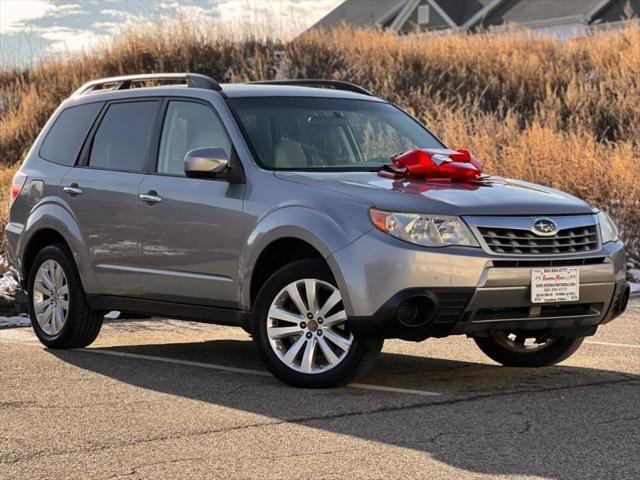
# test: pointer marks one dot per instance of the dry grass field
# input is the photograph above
(560, 113)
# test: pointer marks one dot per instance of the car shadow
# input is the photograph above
(558, 422)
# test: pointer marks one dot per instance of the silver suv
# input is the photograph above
(261, 206)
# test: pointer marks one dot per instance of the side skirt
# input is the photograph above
(180, 311)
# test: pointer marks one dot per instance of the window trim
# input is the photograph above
(152, 165)
(88, 134)
(85, 152)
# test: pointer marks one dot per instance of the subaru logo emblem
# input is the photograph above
(544, 227)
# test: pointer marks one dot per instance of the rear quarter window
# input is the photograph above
(65, 137)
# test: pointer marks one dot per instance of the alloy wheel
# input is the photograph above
(520, 342)
(51, 297)
(307, 326)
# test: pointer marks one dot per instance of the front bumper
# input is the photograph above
(462, 290)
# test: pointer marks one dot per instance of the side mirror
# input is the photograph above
(205, 162)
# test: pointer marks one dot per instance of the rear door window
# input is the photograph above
(122, 140)
(65, 138)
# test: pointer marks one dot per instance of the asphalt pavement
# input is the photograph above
(169, 399)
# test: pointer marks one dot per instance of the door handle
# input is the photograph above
(150, 197)
(73, 190)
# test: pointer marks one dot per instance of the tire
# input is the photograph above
(549, 353)
(81, 324)
(346, 363)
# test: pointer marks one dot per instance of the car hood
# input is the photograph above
(492, 196)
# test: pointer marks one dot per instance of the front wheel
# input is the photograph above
(524, 349)
(300, 329)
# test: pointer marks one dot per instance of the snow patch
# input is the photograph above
(10, 322)
(8, 290)
(634, 275)
(8, 286)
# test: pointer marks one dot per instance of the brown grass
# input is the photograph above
(564, 114)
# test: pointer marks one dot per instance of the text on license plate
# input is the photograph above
(555, 284)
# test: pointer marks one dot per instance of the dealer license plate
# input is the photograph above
(555, 284)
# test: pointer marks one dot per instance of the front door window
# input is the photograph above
(188, 126)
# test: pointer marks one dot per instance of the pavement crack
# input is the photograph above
(62, 406)
(453, 401)
(309, 419)
(303, 454)
(133, 443)
(17, 404)
(621, 419)
(134, 470)
(434, 440)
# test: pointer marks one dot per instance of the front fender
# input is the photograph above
(316, 228)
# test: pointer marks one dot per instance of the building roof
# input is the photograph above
(462, 12)
(617, 10)
(539, 11)
(407, 16)
(361, 13)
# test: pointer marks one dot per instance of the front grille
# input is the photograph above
(451, 305)
(524, 242)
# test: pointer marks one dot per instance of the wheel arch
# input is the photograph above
(40, 239)
(276, 255)
(286, 235)
(54, 224)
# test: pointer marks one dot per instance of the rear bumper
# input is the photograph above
(11, 241)
(468, 291)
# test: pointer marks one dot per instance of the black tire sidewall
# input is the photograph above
(76, 295)
(280, 279)
(559, 350)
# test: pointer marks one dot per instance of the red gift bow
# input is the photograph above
(457, 165)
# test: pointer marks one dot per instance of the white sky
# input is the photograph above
(13, 12)
(31, 29)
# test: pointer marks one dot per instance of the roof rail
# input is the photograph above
(193, 80)
(337, 84)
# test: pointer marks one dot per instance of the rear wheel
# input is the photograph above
(60, 314)
(527, 349)
(300, 329)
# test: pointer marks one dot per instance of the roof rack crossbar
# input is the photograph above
(193, 80)
(337, 84)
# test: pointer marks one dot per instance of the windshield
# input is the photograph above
(293, 133)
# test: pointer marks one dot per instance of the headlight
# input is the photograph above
(608, 229)
(427, 230)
